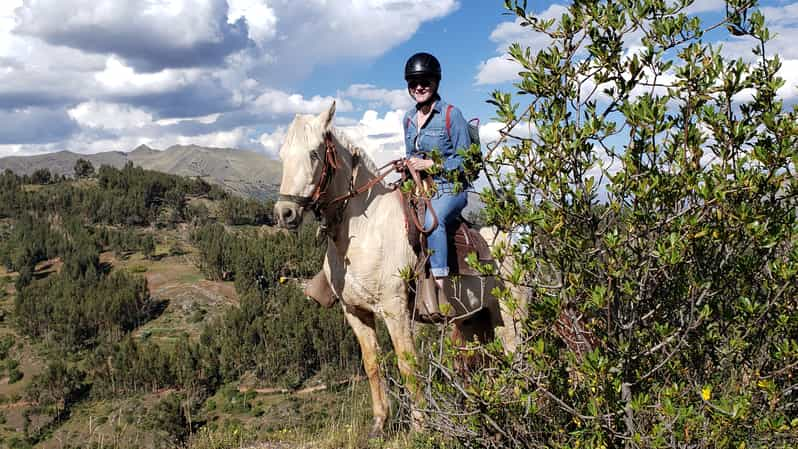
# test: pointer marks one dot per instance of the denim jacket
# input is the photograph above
(434, 136)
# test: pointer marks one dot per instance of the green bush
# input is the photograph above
(171, 416)
(6, 343)
(14, 375)
(663, 299)
(18, 443)
(138, 269)
(197, 316)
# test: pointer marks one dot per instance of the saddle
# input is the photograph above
(465, 239)
(431, 303)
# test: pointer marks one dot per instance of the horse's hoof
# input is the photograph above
(377, 428)
(376, 432)
(417, 421)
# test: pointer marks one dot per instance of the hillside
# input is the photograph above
(241, 172)
(173, 329)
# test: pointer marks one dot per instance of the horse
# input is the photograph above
(367, 249)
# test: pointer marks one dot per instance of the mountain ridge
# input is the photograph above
(242, 172)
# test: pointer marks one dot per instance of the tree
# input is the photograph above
(83, 169)
(56, 388)
(148, 246)
(654, 215)
(41, 176)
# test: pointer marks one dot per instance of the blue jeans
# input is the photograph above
(447, 206)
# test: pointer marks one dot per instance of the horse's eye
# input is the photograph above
(314, 156)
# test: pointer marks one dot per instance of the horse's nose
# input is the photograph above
(286, 214)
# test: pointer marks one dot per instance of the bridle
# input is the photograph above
(330, 163)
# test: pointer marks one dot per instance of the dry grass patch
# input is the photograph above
(190, 299)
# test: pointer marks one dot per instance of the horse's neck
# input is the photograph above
(343, 183)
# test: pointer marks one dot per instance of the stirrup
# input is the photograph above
(432, 303)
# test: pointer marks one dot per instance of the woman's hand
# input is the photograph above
(418, 164)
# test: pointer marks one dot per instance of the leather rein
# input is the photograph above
(331, 164)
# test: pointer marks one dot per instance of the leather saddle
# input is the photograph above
(465, 240)
(432, 304)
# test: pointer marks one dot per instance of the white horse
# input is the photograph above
(367, 248)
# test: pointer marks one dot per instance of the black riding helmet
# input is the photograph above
(423, 65)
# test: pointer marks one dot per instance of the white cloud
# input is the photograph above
(789, 71)
(271, 142)
(109, 115)
(490, 132)
(781, 16)
(118, 73)
(12, 150)
(205, 120)
(395, 99)
(151, 36)
(118, 77)
(500, 69)
(235, 138)
(260, 18)
(279, 103)
(313, 33)
(381, 137)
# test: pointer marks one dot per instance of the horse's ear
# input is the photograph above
(326, 117)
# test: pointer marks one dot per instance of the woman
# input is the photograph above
(426, 131)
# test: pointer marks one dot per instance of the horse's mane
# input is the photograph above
(354, 149)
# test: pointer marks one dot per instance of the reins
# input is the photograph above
(331, 164)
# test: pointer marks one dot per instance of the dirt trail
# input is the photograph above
(307, 390)
(13, 405)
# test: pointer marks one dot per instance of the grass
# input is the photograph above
(337, 419)
(110, 423)
(175, 280)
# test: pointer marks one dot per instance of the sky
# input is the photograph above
(108, 75)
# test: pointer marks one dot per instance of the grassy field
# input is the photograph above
(330, 419)
(172, 279)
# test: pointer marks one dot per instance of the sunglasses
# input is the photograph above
(419, 82)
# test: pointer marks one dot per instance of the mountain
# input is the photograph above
(245, 173)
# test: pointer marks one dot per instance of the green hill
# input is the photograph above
(146, 310)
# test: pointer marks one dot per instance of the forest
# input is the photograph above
(83, 317)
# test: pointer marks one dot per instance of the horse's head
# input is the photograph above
(306, 166)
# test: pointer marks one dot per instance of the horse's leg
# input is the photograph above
(511, 320)
(362, 323)
(397, 320)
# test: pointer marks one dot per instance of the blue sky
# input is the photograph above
(459, 40)
(99, 75)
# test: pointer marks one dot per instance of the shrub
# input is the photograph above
(662, 283)
(14, 376)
